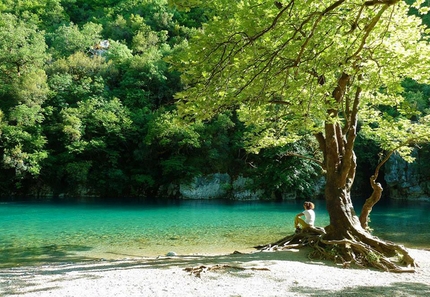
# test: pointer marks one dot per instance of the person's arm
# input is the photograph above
(300, 214)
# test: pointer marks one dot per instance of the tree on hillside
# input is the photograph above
(295, 68)
(86, 128)
(23, 89)
(49, 12)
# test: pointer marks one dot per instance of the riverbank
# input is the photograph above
(286, 273)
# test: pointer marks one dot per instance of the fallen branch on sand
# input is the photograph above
(197, 270)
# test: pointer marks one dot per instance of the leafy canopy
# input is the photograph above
(23, 89)
(280, 64)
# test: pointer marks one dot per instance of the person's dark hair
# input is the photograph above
(309, 205)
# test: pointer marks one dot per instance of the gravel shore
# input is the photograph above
(286, 273)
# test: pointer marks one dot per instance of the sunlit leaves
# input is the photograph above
(22, 140)
(268, 126)
(397, 133)
(76, 78)
(23, 89)
(22, 161)
(170, 131)
(79, 65)
(185, 4)
(70, 38)
(254, 54)
(90, 123)
(22, 47)
(118, 52)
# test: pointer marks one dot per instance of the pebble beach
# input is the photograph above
(282, 273)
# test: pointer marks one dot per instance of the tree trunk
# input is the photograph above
(370, 202)
(376, 194)
(344, 239)
(343, 220)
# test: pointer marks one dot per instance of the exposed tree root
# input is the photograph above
(197, 271)
(366, 251)
(304, 238)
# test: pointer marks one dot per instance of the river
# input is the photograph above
(40, 233)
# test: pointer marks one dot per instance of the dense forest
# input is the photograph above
(87, 109)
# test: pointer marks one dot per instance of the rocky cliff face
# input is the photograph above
(212, 186)
(220, 185)
(404, 181)
(408, 181)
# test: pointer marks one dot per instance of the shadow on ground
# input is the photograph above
(392, 290)
(22, 277)
(13, 257)
(61, 261)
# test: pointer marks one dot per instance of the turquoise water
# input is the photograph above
(35, 233)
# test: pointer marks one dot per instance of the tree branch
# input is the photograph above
(291, 154)
(380, 2)
(368, 30)
(314, 26)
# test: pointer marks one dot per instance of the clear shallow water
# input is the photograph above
(33, 233)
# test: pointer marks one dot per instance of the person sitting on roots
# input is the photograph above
(309, 214)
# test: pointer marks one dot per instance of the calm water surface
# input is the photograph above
(35, 233)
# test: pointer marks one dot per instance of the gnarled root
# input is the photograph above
(303, 238)
(364, 252)
(349, 252)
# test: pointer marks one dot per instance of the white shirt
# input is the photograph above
(309, 216)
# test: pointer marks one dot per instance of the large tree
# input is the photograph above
(295, 68)
(23, 90)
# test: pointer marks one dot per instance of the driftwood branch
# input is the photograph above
(198, 270)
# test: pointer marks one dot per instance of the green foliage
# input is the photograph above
(73, 80)
(373, 257)
(50, 13)
(69, 39)
(281, 78)
(281, 171)
(400, 128)
(91, 121)
(23, 89)
(22, 50)
(118, 52)
(172, 132)
(417, 96)
(22, 141)
(91, 137)
(84, 120)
